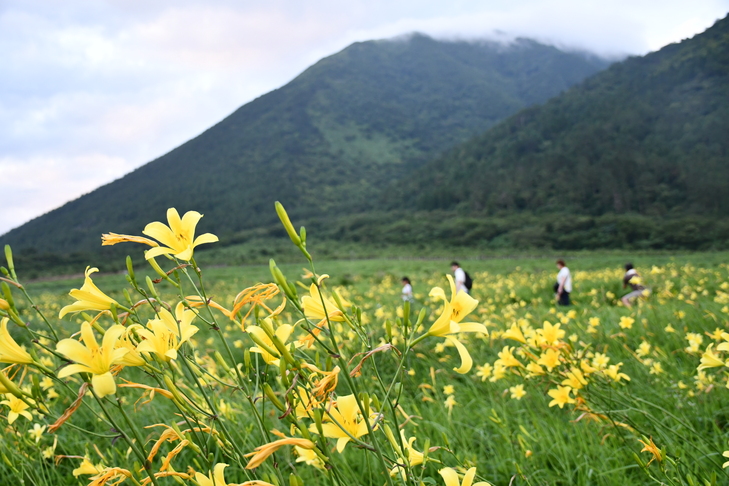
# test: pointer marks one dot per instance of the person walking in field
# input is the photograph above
(462, 278)
(563, 286)
(407, 290)
(633, 278)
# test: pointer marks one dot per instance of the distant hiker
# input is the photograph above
(635, 281)
(563, 287)
(464, 283)
(407, 290)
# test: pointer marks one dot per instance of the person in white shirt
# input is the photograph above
(460, 277)
(407, 290)
(564, 283)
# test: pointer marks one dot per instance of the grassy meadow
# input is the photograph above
(635, 395)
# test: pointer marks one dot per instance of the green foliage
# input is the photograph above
(646, 136)
(327, 142)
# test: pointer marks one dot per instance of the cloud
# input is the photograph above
(93, 89)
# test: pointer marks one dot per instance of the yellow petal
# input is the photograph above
(466, 361)
(450, 476)
(104, 384)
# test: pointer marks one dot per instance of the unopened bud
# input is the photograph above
(221, 362)
(9, 259)
(130, 270)
(152, 290)
(284, 217)
(272, 396)
(8, 295)
(10, 386)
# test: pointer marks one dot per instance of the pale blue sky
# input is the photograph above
(90, 90)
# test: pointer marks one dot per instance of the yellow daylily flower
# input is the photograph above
(314, 309)
(448, 325)
(308, 457)
(178, 235)
(282, 332)
(560, 396)
(517, 392)
(461, 304)
(514, 333)
(37, 432)
(549, 359)
(347, 415)
(550, 334)
(132, 358)
(215, 478)
(450, 477)
(262, 452)
(613, 371)
(92, 358)
(652, 448)
(88, 297)
(575, 379)
(17, 408)
(709, 359)
(626, 322)
(88, 468)
(11, 351)
(507, 359)
(165, 335)
(322, 387)
(412, 457)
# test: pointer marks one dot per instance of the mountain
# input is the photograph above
(325, 144)
(645, 142)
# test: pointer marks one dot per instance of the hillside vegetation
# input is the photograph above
(326, 143)
(647, 136)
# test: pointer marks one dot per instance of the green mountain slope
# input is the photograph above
(648, 136)
(327, 143)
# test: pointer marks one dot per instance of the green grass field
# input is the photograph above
(593, 441)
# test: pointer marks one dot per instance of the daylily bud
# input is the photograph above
(365, 399)
(221, 361)
(388, 330)
(421, 317)
(272, 396)
(247, 360)
(8, 295)
(130, 270)
(280, 279)
(10, 386)
(406, 314)
(16, 318)
(284, 373)
(4, 271)
(284, 217)
(155, 266)
(35, 384)
(176, 395)
(128, 297)
(302, 235)
(375, 402)
(317, 421)
(9, 258)
(391, 439)
(152, 290)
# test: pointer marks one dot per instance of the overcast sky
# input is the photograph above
(90, 90)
